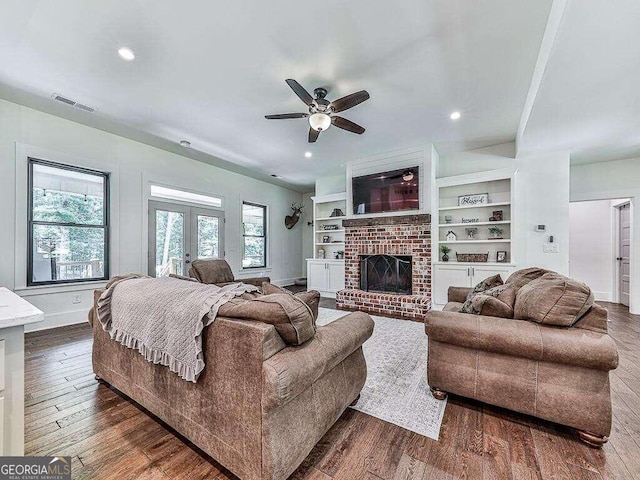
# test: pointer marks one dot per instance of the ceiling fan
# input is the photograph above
(321, 111)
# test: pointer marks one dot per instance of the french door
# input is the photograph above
(179, 234)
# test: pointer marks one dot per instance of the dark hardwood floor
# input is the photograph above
(109, 437)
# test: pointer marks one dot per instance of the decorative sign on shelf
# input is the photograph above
(329, 227)
(470, 220)
(473, 199)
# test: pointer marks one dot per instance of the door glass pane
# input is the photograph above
(253, 252)
(208, 236)
(169, 243)
(67, 253)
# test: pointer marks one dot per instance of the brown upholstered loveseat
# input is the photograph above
(558, 373)
(262, 402)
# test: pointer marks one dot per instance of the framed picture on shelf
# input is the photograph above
(501, 256)
(326, 239)
(471, 233)
(473, 199)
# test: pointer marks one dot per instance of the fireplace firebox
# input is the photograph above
(386, 274)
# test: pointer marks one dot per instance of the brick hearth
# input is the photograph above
(400, 235)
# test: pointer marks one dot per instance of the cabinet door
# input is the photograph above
(446, 276)
(317, 276)
(336, 277)
(479, 273)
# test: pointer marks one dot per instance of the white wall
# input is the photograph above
(541, 197)
(331, 184)
(608, 180)
(591, 248)
(132, 164)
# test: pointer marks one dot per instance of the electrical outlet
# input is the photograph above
(551, 248)
(76, 299)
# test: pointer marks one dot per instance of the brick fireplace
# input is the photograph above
(398, 237)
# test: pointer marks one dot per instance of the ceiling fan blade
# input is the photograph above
(300, 91)
(345, 103)
(280, 116)
(348, 125)
(313, 135)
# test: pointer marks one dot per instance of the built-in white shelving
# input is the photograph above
(471, 223)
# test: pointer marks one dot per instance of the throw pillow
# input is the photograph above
(488, 286)
(311, 297)
(488, 283)
(491, 306)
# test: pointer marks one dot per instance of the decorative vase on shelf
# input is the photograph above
(445, 258)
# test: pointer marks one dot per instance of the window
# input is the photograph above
(68, 224)
(254, 235)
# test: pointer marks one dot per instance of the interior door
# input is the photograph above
(624, 253)
(169, 227)
(179, 234)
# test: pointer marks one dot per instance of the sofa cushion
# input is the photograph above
(521, 277)
(491, 306)
(553, 299)
(290, 315)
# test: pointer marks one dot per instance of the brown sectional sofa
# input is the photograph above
(262, 402)
(557, 373)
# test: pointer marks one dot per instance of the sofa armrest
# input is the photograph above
(292, 370)
(458, 294)
(522, 338)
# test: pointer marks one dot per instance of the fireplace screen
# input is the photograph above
(385, 274)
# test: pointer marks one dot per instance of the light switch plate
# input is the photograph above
(551, 248)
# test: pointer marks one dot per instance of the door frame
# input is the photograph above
(189, 235)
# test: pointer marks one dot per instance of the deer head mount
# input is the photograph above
(291, 220)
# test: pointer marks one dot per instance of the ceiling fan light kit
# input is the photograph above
(321, 111)
(319, 121)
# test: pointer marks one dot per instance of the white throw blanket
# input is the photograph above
(163, 318)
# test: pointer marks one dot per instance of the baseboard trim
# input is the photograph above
(55, 320)
(603, 296)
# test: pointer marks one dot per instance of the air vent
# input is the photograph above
(73, 103)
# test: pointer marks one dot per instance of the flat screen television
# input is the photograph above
(392, 191)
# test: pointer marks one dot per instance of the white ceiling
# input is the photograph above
(208, 72)
(589, 98)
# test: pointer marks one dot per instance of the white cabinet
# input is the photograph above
(325, 276)
(454, 274)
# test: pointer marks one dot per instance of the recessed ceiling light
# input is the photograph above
(126, 54)
(275, 176)
(184, 143)
(455, 115)
(308, 154)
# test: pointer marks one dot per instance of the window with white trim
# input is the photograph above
(68, 224)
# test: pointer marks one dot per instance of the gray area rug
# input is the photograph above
(396, 390)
